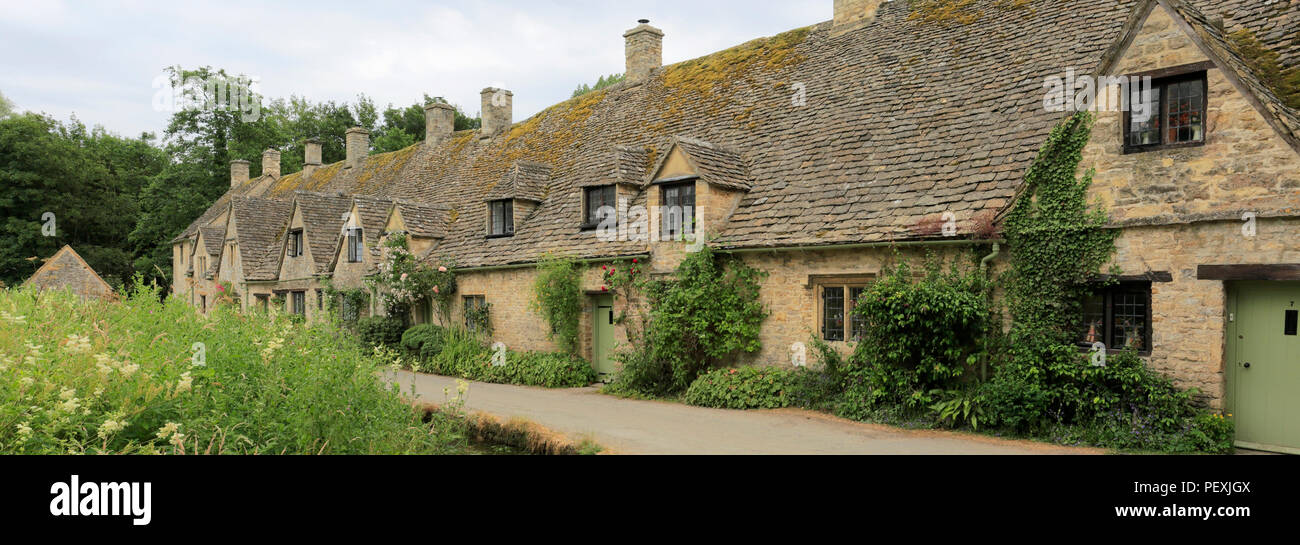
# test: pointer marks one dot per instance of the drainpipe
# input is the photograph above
(984, 263)
(984, 267)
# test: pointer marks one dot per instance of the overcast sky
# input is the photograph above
(99, 59)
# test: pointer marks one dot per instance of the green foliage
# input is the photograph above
(420, 338)
(90, 180)
(385, 331)
(119, 377)
(479, 319)
(345, 304)
(743, 388)
(1044, 384)
(557, 293)
(463, 354)
(711, 311)
(603, 82)
(6, 107)
(403, 281)
(959, 407)
(921, 336)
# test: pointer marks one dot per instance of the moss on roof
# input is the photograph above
(1284, 82)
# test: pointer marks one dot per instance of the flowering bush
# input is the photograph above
(462, 354)
(142, 376)
(403, 281)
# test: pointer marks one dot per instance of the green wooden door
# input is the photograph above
(602, 332)
(1263, 364)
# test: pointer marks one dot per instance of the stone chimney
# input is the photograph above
(238, 173)
(852, 14)
(271, 163)
(358, 144)
(310, 157)
(498, 111)
(439, 122)
(645, 50)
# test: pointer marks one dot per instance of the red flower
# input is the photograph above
(634, 260)
(604, 268)
(604, 288)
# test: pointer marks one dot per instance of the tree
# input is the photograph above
(601, 83)
(6, 107)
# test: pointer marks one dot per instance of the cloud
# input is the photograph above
(99, 59)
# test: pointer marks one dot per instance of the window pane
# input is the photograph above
(1129, 312)
(1144, 124)
(509, 207)
(1093, 327)
(593, 205)
(1185, 107)
(833, 314)
(857, 323)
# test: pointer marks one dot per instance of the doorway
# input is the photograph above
(1263, 364)
(602, 337)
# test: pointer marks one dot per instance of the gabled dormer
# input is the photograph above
(423, 224)
(312, 235)
(603, 201)
(520, 191)
(356, 253)
(693, 188)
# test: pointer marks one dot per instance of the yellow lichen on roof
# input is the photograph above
(384, 164)
(964, 12)
(1265, 63)
(709, 77)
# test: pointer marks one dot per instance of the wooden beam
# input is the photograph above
(1290, 271)
(1153, 276)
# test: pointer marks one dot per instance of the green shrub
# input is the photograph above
(742, 388)
(121, 377)
(462, 354)
(415, 339)
(380, 331)
(921, 336)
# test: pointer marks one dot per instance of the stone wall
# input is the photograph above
(1169, 201)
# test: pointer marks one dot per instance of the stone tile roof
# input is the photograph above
(67, 270)
(714, 164)
(1274, 23)
(423, 220)
(259, 228)
(214, 239)
(525, 180)
(905, 118)
(323, 215)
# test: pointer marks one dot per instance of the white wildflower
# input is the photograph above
(70, 405)
(11, 319)
(168, 430)
(185, 383)
(128, 369)
(109, 427)
(77, 344)
(178, 439)
(24, 430)
(27, 381)
(68, 393)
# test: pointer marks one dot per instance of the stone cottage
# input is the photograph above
(67, 270)
(821, 154)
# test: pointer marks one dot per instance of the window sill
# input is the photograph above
(1128, 150)
(500, 236)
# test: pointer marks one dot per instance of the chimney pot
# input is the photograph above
(439, 122)
(358, 144)
(644, 47)
(498, 111)
(852, 14)
(271, 163)
(238, 173)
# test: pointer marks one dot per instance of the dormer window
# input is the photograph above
(678, 209)
(594, 199)
(1174, 116)
(295, 243)
(501, 220)
(355, 245)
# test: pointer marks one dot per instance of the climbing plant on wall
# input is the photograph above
(403, 281)
(557, 297)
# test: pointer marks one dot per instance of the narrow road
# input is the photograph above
(625, 426)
